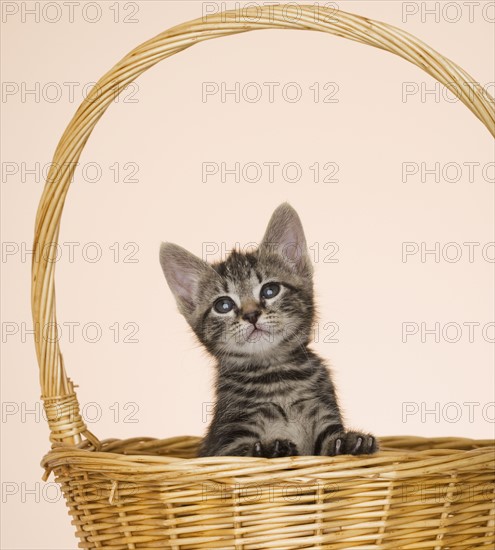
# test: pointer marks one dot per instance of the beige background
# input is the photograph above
(158, 385)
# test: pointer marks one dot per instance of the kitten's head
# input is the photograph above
(255, 305)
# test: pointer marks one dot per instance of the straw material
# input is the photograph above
(146, 493)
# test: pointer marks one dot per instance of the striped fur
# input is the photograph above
(254, 312)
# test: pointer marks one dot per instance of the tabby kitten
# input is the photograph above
(254, 313)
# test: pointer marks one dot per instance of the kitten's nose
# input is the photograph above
(252, 316)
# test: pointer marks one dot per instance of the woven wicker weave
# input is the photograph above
(146, 493)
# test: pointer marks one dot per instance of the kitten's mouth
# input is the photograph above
(256, 333)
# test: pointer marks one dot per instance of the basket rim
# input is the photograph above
(387, 463)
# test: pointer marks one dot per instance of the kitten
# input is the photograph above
(254, 313)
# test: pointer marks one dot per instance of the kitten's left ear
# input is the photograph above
(183, 271)
(285, 236)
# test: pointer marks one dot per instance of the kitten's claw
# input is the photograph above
(335, 445)
(357, 446)
(257, 449)
(372, 444)
(276, 448)
(350, 443)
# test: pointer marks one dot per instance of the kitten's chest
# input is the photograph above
(287, 382)
(280, 402)
(289, 417)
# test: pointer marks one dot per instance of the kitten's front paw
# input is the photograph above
(350, 443)
(275, 448)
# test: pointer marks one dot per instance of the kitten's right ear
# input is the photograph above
(285, 236)
(183, 272)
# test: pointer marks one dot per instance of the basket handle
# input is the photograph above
(66, 424)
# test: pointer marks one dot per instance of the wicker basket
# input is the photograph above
(147, 493)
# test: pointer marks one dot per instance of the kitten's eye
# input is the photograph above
(224, 305)
(270, 290)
